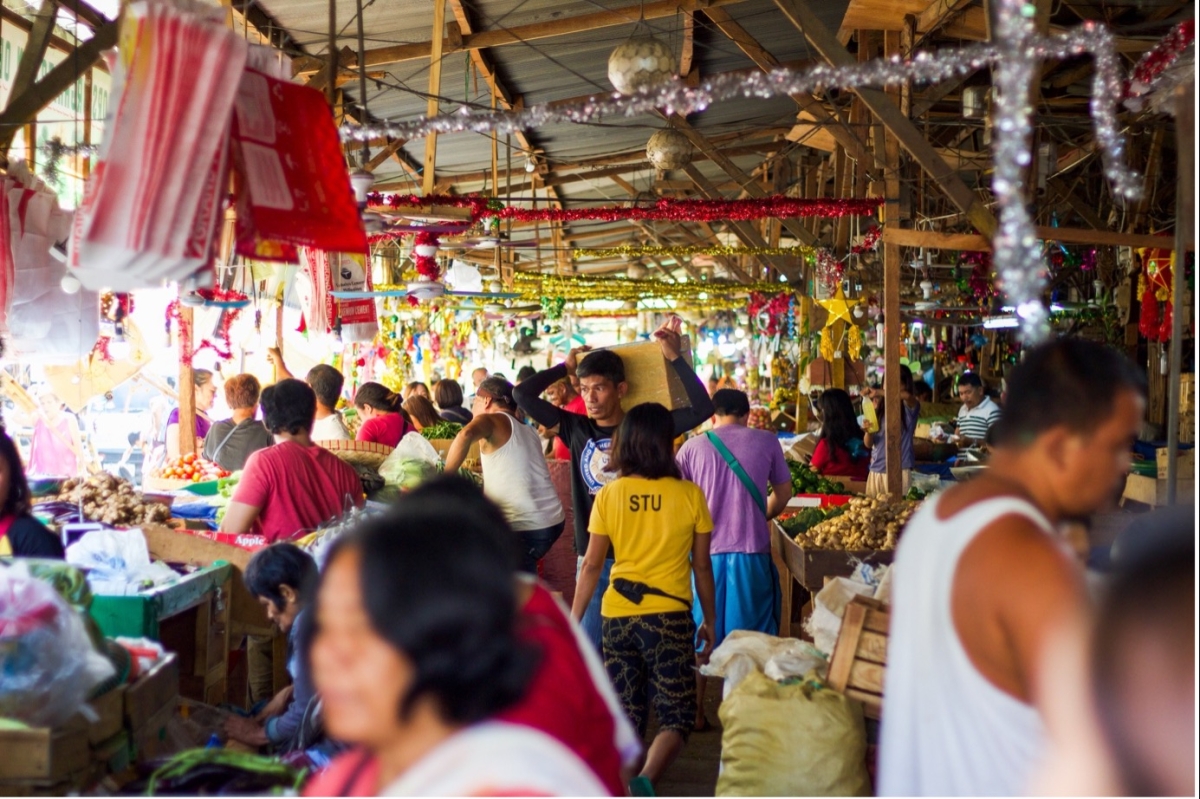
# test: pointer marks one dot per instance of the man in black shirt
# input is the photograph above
(602, 385)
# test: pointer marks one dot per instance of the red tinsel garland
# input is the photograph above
(665, 209)
(775, 306)
(228, 317)
(870, 241)
(427, 265)
(1162, 56)
(829, 270)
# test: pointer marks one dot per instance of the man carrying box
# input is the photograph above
(602, 385)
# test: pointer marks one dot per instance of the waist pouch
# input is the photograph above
(635, 592)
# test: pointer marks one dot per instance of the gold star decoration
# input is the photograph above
(839, 308)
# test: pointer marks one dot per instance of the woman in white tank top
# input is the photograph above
(515, 475)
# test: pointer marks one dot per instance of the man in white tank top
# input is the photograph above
(982, 583)
(515, 475)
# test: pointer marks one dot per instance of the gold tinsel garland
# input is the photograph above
(638, 251)
(579, 288)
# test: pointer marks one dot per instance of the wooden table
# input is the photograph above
(189, 617)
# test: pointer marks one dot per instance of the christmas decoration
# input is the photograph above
(223, 349)
(870, 241)
(663, 209)
(641, 251)
(829, 270)
(1155, 285)
(767, 312)
(642, 63)
(839, 308)
(669, 149)
(1154, 63)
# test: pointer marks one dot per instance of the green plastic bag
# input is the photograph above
(791, 739)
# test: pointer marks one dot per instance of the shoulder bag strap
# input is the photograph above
(225, 440)
(738, 470)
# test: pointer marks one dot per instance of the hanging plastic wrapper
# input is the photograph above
(325, 272)
(43, 323)
(152, 204)
(294, 190)
(48, 665)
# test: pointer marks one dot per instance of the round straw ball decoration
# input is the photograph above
(643, 61)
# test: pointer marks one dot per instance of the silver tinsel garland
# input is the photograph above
(1014, 55)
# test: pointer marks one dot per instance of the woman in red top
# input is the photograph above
(840, 451)
(384, 420)
(562, 698)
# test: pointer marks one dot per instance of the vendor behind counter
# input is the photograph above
(21, 534)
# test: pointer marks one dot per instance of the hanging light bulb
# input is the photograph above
(361, 181)
(530, 167)
(70, 284)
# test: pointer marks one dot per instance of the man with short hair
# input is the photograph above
(515, 475)
(977, 414)
(563, 395)
(734, 465)
(983, 584)
(326, 383)
(602, 386)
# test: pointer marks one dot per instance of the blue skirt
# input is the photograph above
(747, 594)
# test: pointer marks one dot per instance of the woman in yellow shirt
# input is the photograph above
(659, 528)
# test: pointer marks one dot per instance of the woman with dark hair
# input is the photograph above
(416, 649)
(383, 418)
(205, 392)
(449, 398)
(840, 450)
(294, 486)
(421, 412)
(21, 535)
(658, 525)
(910, 411)
(283, 578)
(230, 442)
(416, 387)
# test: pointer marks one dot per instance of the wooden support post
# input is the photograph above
(435, 88)
(890, 115)
(187, 383)
(1185, 208)
(891, 377)
(87, 123)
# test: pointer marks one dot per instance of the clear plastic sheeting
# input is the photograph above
(48, 665)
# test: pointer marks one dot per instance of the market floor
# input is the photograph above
(695, 772)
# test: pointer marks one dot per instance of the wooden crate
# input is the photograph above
(44, 756)
(151, 692)
(1151, 491)
(859, 661)
(650, 377)
(811, 567)
(110, 715)
(1185, 463)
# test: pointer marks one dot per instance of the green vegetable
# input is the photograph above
(806, 481)
(441, 430)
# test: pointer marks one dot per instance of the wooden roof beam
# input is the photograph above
(745, 233)
(582, 23)
(23, 107)
(890, 115)
(810, 108)
(748, 183)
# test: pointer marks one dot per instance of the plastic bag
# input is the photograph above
(828, 607)
(795, 739)
(744, 652)
(412, 462)
(48, 665)
(118, 562)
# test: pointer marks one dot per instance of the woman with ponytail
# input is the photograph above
(383, 419)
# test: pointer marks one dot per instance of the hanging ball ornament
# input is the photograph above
(641, 62)
(70, 284)
(669, 149)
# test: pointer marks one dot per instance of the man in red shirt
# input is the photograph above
(563, 395)
(295, 486)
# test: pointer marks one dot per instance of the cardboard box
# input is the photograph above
(650, 377)
(1185, 463)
